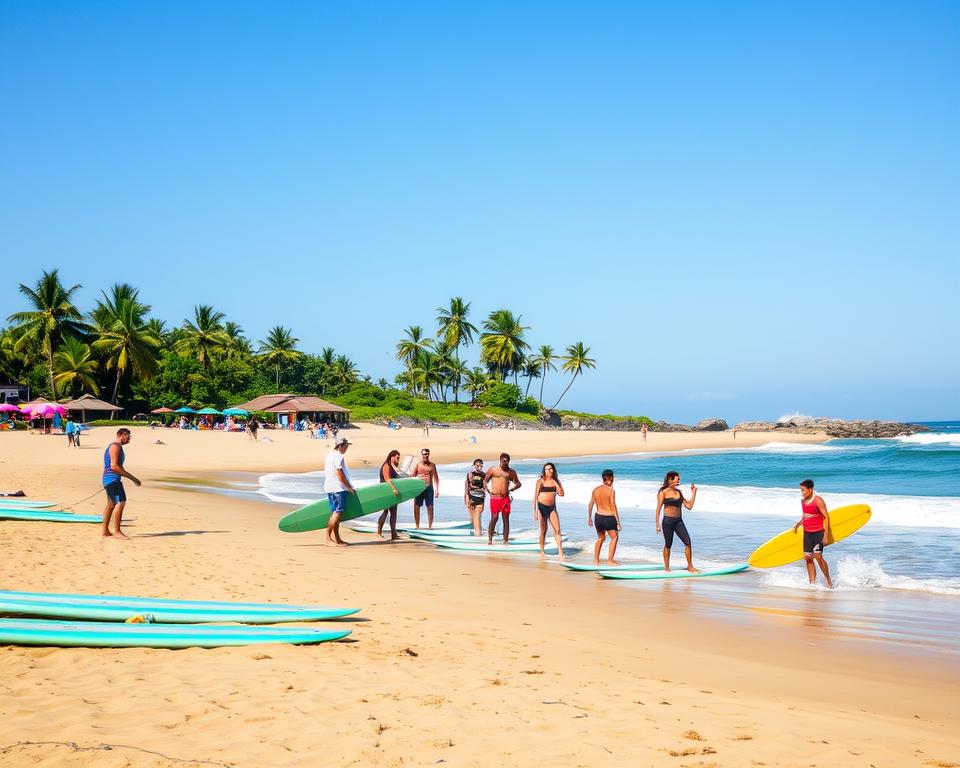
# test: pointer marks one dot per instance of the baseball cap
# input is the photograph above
(341, 441)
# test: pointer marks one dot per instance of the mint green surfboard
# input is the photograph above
(372, 498)
(22, 502)
(96, 634)
(49, 517)
(678, 574)
(608, 568)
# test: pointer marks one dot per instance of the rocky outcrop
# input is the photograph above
(806, 425)
(712, 425)
(600, 424)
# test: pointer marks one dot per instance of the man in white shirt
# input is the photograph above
(336, 484)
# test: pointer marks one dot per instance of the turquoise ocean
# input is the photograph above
(897, 579)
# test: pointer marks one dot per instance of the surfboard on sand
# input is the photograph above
(591, 567)
(6, 501)
(369, 499)
(459, 528)
(677, 574)
(25, 513)
(787, 547)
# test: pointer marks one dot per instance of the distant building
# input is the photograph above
(290, 408)
(14, 393)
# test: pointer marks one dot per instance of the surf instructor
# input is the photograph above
(337, 484)
(113, 472)
(816, 529)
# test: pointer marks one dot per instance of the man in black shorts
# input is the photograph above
(607, 519)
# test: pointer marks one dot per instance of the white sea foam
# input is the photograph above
(854, 573)
(947, 440)
(795, 448)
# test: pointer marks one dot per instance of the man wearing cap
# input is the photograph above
(336, 484)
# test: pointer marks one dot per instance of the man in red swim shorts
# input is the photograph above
(500, 482)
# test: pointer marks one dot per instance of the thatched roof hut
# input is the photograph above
(294, 405)
(88, 402)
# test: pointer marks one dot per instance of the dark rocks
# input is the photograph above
(807, 425)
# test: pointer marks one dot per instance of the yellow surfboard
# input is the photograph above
(787, 547)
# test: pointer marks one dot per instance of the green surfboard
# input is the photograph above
(372, 498)
(678, 574)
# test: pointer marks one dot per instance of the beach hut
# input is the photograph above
(290, 408)
(88, 402)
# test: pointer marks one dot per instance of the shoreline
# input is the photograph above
(562, 669)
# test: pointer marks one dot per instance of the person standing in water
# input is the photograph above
(389, 471)
(500, 482)
(426, 470)
(113, 472)
(336, 484)
(671, 498)
(475, 496)
(545, 505)
(816, 529)
(607, 519)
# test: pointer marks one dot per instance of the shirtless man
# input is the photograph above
(604, 498)
(500, 482)
(426, 470)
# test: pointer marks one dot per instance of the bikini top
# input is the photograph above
(673, 502)
(548, 489)
(476, 480)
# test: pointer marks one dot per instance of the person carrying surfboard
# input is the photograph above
(389, 471)
(607, 520)
(816, 529)
(336, 484)
(500, 481)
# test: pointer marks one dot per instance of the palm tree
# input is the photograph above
(343, 371)
(126, 340)
(53, 316)
(279, 347)
(476, 381)
(75, 364)
(502, 344)
(456, 372)
(158, 329)
(544, 358)
(574, 362)
(238, 345)
(455, 329)
(412, 345)
(531, 369)
(382, 383)
(204, 337)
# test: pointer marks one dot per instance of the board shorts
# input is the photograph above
(337, 501)
(671, 526)
(605, 523)
(812, 543)
(499, 505)
(115, 492)
(425, 498)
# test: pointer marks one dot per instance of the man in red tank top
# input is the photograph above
(816, 529)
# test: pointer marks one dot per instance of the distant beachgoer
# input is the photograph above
(500, 482)
(426, 429)
(113, 472)
(426, 470)
(643, 432)
(545, 505)
(336, 484)
(607, 519)
(816, 529)
(475, 495)
(389, 471)
(670, 497)
(734, 434)
(252, 426)
(68, 430)
(77, 429)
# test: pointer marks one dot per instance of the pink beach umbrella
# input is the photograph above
(8, 408)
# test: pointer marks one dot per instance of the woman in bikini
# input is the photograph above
(671, 500)
(545, 505)
(388, 472)
(475, 496)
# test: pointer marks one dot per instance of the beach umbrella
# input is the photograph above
(235, 412)
(8, 408)
(185, 409)
(162, 410)
(209, 412)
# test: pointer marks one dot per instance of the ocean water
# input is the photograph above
(885, 575)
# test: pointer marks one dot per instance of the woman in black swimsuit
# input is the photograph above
(671, 500)
(475, 495)
(545, 505)
(388, 471)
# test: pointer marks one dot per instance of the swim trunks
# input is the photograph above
(671, 526)
(812, 543)
(115, 492)
(425, 498)
(337, 501)
(604, 523)
(499, 505)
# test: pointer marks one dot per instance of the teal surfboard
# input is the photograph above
(49, 517)
(94, 634)
(678, 574)
(108, 608)
(520, 547)
(16, 502)
(610, 568)
(523, 537)
(372, 498)
(461, 528)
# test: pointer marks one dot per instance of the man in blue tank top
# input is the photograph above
(113, 471)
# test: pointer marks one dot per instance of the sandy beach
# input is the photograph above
(467, 661)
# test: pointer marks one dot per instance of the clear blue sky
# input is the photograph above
(744, 209)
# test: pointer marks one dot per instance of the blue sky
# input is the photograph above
(744, 209)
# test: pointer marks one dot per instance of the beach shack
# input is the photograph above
(291, 408)
(14, 393)
(88, 402)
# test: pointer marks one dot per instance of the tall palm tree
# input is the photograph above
(52, 317)
(575, 361)
(502, 344)
(158, 329)
(204, 337)
(237, 345)
(412, 345)
(476, 381)
(279, 347)
(343, 371)
(455, 329)
(531, 369)
(544, 358)
(456, 373)
(75, 364)
(126, 340)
